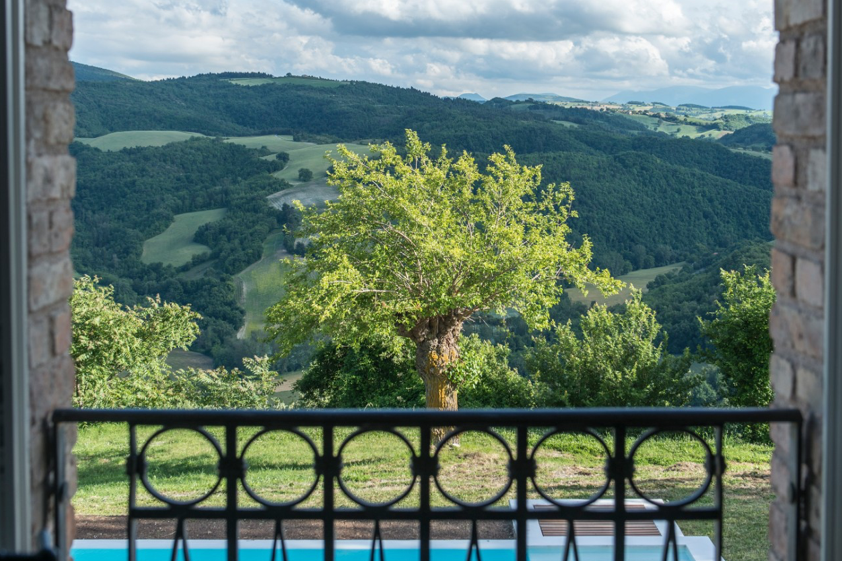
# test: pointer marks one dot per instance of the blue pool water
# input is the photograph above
(587, 553)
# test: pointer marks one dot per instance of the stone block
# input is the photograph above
(812, 58)
(50, 282)
(59, 122)
(800, 114)
(48, 69)
(61, 229)
(804, 11)
(61, 330)
(39, 341)
(808, 388)
(783, 166)
(50, 177)
(797, 329)
(817, 170)
(778, 529)
(37, 23)
(38, 232)
(798, 222)
(783, 272)
(809, 282)
(61, 28)
(782, 377)
(785, 61)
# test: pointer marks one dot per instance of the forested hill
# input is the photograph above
(665, 195)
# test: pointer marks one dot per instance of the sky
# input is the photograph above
(581, 48)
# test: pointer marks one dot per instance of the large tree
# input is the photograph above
(415, 245)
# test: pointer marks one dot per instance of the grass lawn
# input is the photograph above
(639, 279)
(182, 465)
(174, 246)
(260, 284)
(132, 139)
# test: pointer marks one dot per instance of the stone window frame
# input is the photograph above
(15, 502)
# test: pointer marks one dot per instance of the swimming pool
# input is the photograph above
(358, 550)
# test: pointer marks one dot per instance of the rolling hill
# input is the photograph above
(86, 73)
(744, 96)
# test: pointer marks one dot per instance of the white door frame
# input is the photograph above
(15, 507)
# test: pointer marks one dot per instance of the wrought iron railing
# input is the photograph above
(619, 427)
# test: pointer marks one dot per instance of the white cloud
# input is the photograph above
(495, 47)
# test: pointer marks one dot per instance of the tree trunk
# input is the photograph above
(436, 353)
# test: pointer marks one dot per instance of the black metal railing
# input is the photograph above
(621, 426)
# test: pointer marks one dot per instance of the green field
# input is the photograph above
(639, 279)
(175, 246)
(133, 139)
(182, 465)
(260, 284)
(284, 391)
(274, 142)
(312, 157)
(289, 80)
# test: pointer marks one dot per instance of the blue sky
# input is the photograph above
(580, 48)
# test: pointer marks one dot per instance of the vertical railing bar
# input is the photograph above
(231, 477)
(60, 490)
(329, 514)
(619, 493)
(131, 467)
(795, 490)
(719, 490)
(522, 458)
(424, 488)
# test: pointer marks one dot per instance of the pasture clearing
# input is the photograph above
(312, 157)
(274, 142)
(639, 279)
(260, 284)
(290, 81)
(136, 139)
(174, 246)
(182, 465)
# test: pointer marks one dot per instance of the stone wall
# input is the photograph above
(51, 182)
(798, 223)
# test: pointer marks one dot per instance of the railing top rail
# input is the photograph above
(595, 417)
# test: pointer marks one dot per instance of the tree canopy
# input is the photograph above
(415, 245)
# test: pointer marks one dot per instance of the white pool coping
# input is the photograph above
(701, 548)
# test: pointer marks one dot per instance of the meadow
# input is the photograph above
(639, 279)
(134, 139)
(259, 285)
(174, 246)
(182, 465)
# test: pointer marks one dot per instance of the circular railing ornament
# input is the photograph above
(281, 504)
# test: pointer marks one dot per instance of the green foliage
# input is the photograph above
(760, 137)
(305, 175)
(616, 362)
(342, 376)
(682, 296)
(282, 157)
(739, 335)
(112, 344)
(121, 352)
(416, 238)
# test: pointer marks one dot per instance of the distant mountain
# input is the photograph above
(86, 73)
(754, 97)
(473, 97)
(545, 97)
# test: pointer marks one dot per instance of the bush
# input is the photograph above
(305, 175)
(615, 363)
